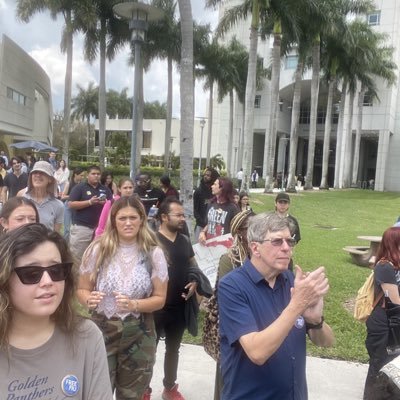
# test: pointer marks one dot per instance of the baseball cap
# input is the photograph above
(43, 166)
(282, 197)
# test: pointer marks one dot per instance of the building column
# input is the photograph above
(382, 156)
(280, 165)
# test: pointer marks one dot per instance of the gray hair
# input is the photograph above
(259, 225)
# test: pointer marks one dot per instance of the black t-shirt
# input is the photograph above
(385, 273)
(150, 197)
(15, 183)
(219, 217)
(178, 254)
(88, 216)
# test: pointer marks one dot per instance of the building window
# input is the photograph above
(374, 18)
(321, 116)
(367, 100)
(146, 140)
(257, 101)
(304, 114)
(16, 97)
(291, 62)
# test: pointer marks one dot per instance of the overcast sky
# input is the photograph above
(41, 39)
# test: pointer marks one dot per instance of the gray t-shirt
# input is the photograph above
(51, 211)
(59, 369)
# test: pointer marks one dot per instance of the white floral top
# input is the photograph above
(127, 273)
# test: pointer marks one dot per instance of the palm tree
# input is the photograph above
(163, 41)
(75, 13)
(335, 13)
(187, 103)
(257, 10)
(84, 105)
(216, 68)
(104, 35)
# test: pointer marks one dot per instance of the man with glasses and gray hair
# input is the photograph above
(265, 313)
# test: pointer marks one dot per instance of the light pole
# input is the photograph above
(202, 125)
(139, 15)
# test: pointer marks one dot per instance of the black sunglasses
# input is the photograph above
(32, 274)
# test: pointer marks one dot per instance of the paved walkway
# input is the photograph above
(327, 379)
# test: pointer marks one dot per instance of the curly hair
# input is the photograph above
(21, 242)
(106, 245)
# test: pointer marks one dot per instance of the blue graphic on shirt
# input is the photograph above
(70, 385)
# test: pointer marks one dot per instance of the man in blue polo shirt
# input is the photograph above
(87, 200)
(265, 314)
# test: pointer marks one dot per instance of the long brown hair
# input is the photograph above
(389, 247)
(106, 245)
(20, 242)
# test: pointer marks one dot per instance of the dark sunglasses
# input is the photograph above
(33, 274)
(278, 242)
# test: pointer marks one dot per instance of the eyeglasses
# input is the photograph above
(33, 274)
(178, 215)
(278, 242)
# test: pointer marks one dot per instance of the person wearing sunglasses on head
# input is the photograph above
(46, 349)
(265, 313)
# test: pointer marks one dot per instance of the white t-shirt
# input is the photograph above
(59, 369)
(239, 175)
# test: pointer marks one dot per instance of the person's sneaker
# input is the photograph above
(172, 394)
(147, 394)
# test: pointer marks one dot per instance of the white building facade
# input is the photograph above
(380, 139)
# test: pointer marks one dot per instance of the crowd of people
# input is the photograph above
(126, 254)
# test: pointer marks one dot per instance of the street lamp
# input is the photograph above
(139, 15)
(202, 125)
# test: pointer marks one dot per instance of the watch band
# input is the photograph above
(315, 326)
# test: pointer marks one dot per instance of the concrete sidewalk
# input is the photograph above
(327, 379)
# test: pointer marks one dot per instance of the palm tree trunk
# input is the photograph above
(67, 86)
(356, 157)
(270, 139)
(339, 138)
(327, 135)
(87, 135)
(249, 104)
(348, 144)
(230, 135)
(102, 93)
(294, 128)
(241, 141)
(187, 111)
(168, 121)
(313, 114)
(210, 120)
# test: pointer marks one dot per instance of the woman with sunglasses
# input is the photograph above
(46, 349)
(123, 280)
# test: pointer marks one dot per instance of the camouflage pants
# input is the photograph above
(131, 348)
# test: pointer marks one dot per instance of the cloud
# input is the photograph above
(41, 39)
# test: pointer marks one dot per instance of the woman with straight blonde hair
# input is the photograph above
(123, 279)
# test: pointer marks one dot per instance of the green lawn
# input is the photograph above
(351, 213)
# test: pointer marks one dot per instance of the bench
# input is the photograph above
(361, 255)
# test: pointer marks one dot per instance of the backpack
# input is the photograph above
(365, 302)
